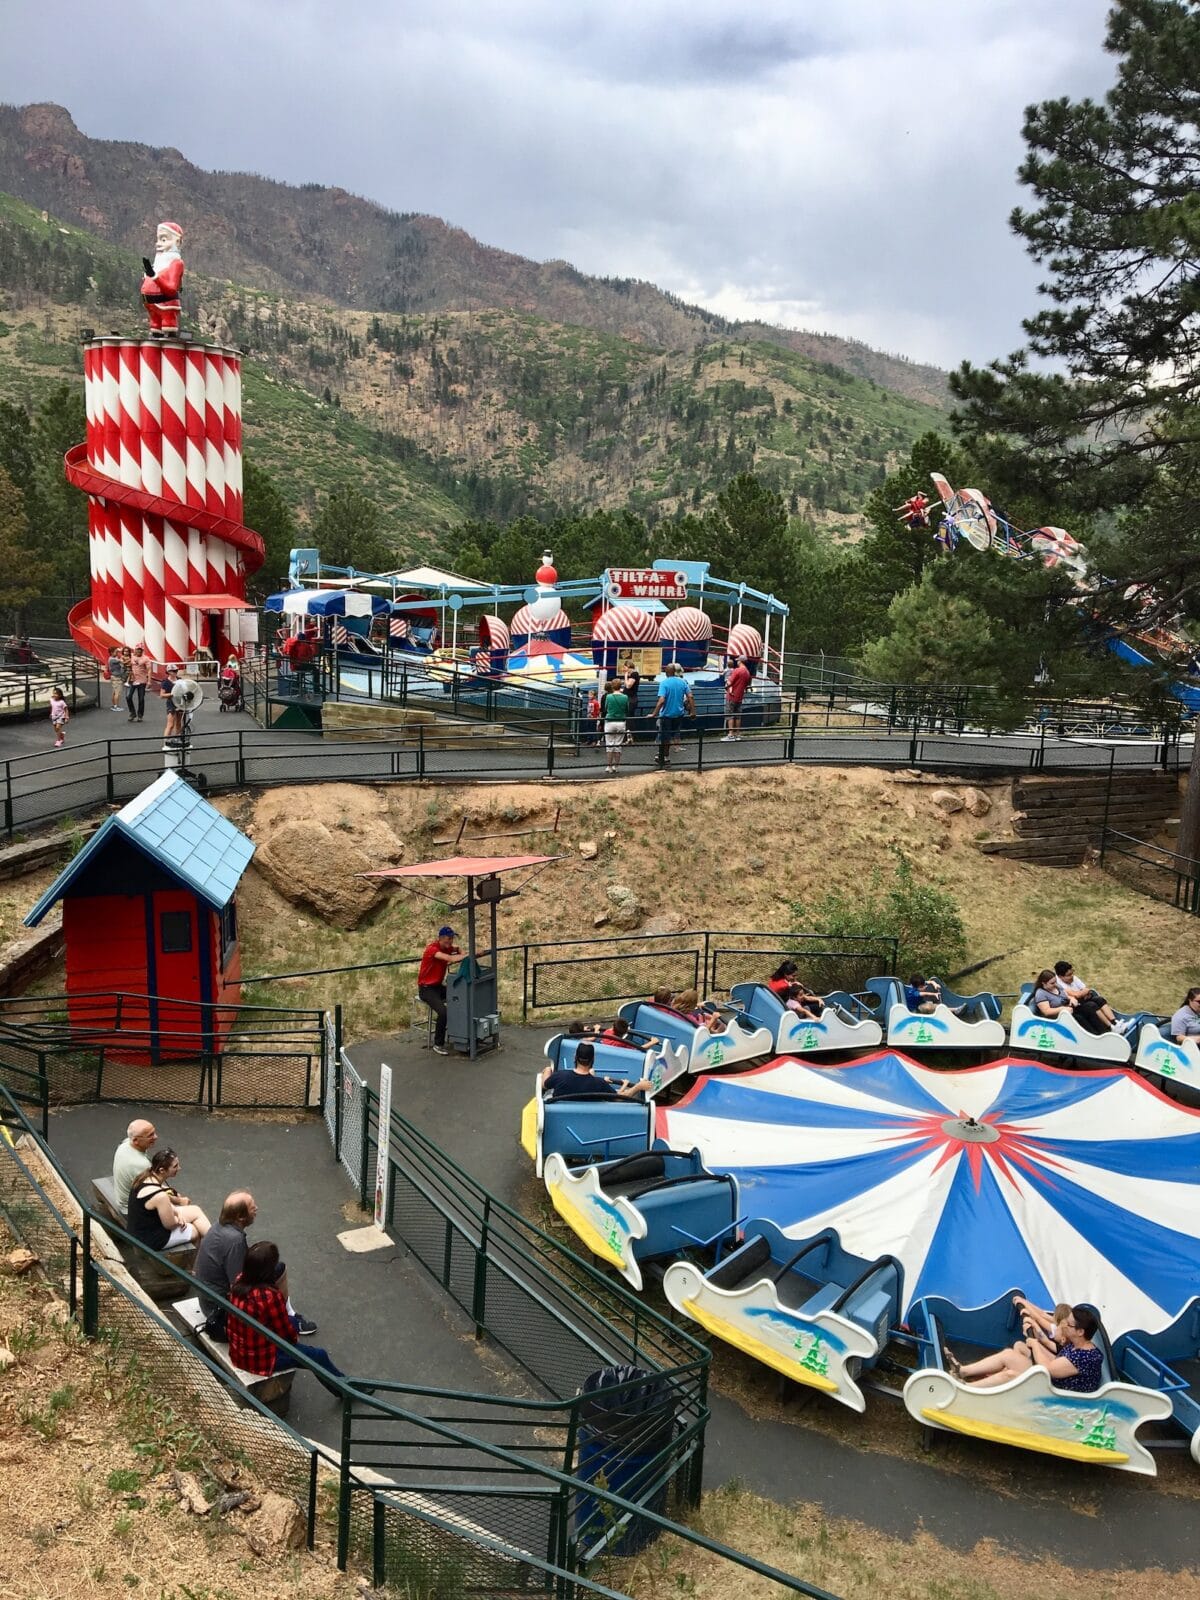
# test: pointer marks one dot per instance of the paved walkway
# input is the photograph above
(473, 1111)
(379, 1314)
(106, 759)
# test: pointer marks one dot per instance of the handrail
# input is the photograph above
(463, 1182)
(351, 1391)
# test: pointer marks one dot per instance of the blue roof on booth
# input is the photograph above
(179, 831)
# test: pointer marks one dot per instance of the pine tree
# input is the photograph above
(268, 513)
(1114, 424)
(349, 533)
(23, 575)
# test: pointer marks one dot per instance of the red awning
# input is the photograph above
(213, 602)
(462, 867)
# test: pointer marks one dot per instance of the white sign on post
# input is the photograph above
(381, 1161)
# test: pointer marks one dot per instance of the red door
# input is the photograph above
(178, 959)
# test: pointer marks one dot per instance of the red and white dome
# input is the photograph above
(527, 622)
(625, 625)
(687, 625)
(493, 633)
(745, 641)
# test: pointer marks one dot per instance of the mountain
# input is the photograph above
(443, 415)
(324, 244)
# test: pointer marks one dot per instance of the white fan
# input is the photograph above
(187, 695)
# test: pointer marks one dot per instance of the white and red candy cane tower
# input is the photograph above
(162, 470)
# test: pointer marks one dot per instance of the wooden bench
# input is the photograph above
(274, 1389)
(157, 1280)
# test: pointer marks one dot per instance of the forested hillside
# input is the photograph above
(491, 412)
(324, 243)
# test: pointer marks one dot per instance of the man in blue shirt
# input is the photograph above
(674, 699)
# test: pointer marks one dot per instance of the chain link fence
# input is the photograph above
(574, 974)
(103, 1047)
(487, 1495)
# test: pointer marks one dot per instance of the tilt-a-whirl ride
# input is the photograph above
(863, 1223)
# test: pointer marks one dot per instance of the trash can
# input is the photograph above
(620, 1433)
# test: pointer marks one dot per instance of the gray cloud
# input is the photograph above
(849, 169)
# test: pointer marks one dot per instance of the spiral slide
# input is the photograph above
(162, 470)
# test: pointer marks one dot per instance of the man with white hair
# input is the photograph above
(163, 280)
(131, 1159)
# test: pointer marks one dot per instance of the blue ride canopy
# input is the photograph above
(1068, 1186)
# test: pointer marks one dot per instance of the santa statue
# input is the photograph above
(161, 285)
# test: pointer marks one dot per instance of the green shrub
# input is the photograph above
(922, 917)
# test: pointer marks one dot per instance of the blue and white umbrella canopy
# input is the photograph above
(1069, 1186)
(325, 603)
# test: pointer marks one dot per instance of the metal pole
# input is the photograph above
(344, 1490)
(91, 1284)
(471, 963)
(479, 1288)
(1108, 788)
(335, 1082)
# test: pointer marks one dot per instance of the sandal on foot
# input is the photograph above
(953, 1364)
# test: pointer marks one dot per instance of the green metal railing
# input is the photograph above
(1163, 874)
(84, 1048)
(462, 1510)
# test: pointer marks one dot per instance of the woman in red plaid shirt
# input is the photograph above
(260, 1290)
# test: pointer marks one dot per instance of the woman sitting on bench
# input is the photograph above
(261, 1291)
(158, 1216)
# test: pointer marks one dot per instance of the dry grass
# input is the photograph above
(685, 843)
(856, 1563)
(85, 1461)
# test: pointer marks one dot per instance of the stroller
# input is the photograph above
(229, 688)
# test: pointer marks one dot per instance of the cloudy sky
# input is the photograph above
(845, 167)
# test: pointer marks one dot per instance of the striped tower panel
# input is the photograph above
(231, 413)
(113, 590)
(174, 437)
(89, 401)
(151, 395)
(154, 605)
(129, 422)
(95, 558)
(195, 402)
(110, 402)
(103, 598)
(175, 582)
(132, 579)
(221, 570)
(214, 433)
(238, 440)
(197, 553)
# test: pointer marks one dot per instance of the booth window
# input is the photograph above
(228, 931)
(176, 933)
